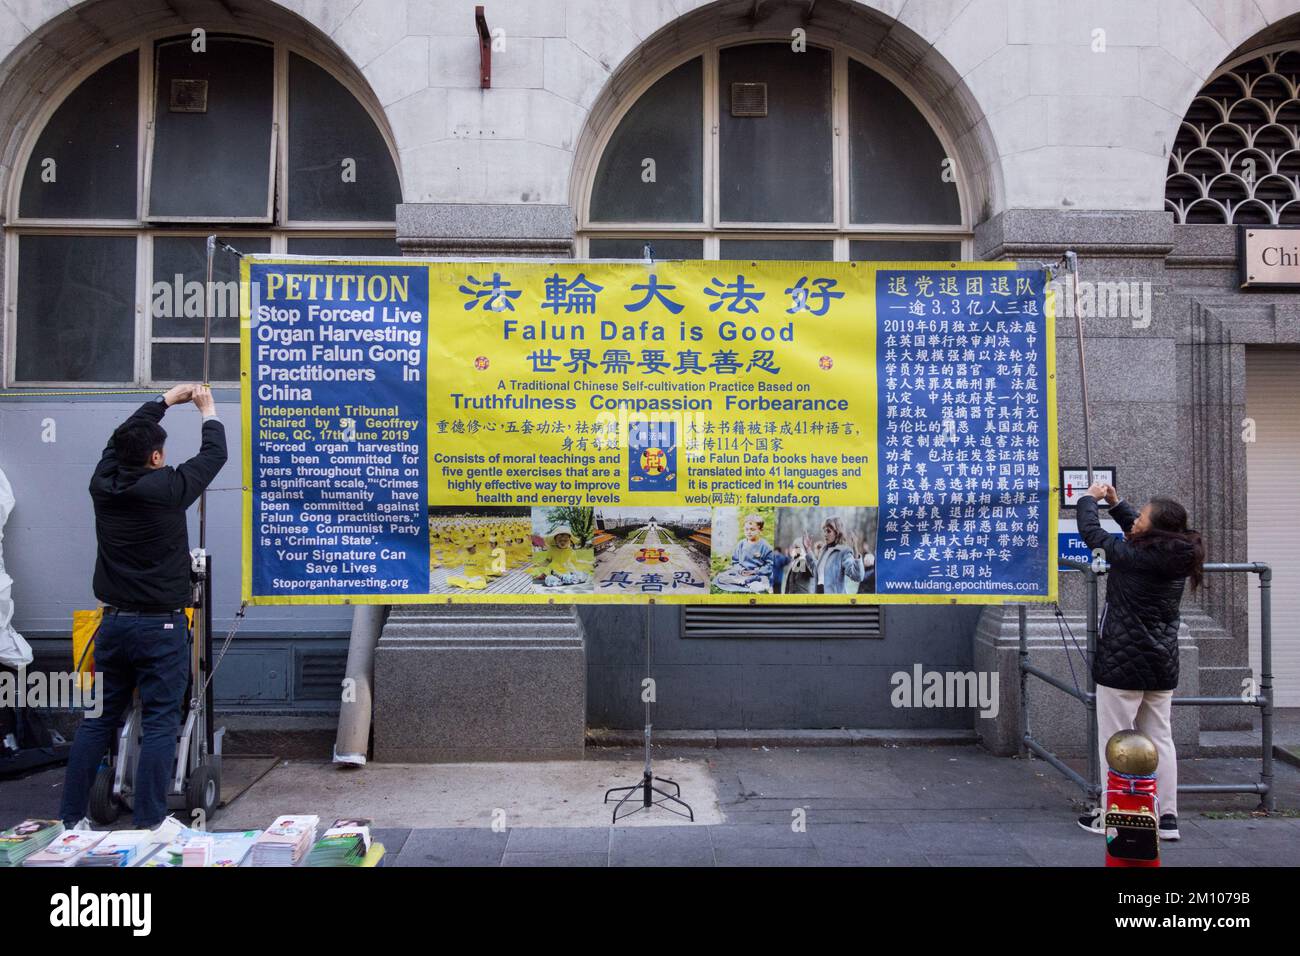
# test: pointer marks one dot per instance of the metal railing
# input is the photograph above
(1091, 785)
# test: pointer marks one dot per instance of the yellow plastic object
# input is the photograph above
(85, 625)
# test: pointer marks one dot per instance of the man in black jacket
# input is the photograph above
(142, 576)
(1136, 664)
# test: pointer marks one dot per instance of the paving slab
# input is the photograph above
(541, 794)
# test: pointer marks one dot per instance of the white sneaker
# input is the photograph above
(83, 824)
(1169, 827)
(1093, 823)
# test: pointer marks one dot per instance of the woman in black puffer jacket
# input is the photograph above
(1136, 665)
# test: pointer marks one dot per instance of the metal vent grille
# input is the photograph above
(320, 674)
(748, 99)
(188, 96)
(806, 621)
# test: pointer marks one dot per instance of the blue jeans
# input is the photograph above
(149, 653)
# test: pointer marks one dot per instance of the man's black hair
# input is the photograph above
(136, 441)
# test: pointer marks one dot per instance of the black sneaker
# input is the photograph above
(1169, 827)
(1092, 822)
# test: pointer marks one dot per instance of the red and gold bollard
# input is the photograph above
(1130, 805)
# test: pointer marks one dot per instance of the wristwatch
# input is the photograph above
(161, 399)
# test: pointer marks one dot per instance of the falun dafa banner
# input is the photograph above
(685, 431)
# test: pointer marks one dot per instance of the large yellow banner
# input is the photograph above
(674, 431)
(757, 401)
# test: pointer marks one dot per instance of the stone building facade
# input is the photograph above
(932, 129)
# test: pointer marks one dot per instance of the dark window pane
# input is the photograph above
(91, 139)
(812, 250)
(895, 158)
(344, 246)
(214, 164)
(776, 168)
(183, 362)
(180, 267)
(666, 125)
(894, 250)
(635, 248)
(76, 309)
(327, 126)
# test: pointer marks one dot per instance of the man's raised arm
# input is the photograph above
(151, 411)
(193, 476)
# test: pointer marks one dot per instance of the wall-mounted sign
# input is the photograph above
(1074, 482)
(1070, 544)
(1268, 257)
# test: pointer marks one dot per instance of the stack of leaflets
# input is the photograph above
(20, 842)
(345, 843)
(170, 855)
(285, 841)
(65, 850)
(197, 850)
(228, 849)
(120, 848)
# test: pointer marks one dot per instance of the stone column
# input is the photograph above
(1137, 402)
(481, 682)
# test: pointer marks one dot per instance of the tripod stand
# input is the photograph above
(647, 787)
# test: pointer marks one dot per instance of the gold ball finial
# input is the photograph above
(1132, 753)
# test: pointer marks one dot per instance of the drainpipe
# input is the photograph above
(353, 740)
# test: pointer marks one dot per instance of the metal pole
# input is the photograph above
(207, 369)
(1072, 262)
(1266, 682)
(1094, 760)
(205, 664)
(648, 773)
(1024, 678)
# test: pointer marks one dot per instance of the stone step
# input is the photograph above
(487, 643)
(476, 610)
(839, 737)
(1231, 743)
(494, 622)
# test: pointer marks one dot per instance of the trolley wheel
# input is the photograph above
(104, 806)
(203, 790)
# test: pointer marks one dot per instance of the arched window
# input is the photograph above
(1236, 158)
(143, 159)
(759, 151)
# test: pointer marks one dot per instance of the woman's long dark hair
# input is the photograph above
(1168, 523)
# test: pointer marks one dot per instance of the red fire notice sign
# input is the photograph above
(1074, 483)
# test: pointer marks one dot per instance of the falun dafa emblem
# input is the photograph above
(654, 461)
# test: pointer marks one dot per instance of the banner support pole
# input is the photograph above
(1072, 264)
(646, 788)
(207, 372)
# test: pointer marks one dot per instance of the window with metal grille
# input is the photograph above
(805, 621)
(1236, 158)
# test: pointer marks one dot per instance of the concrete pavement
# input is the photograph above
(820, 806)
